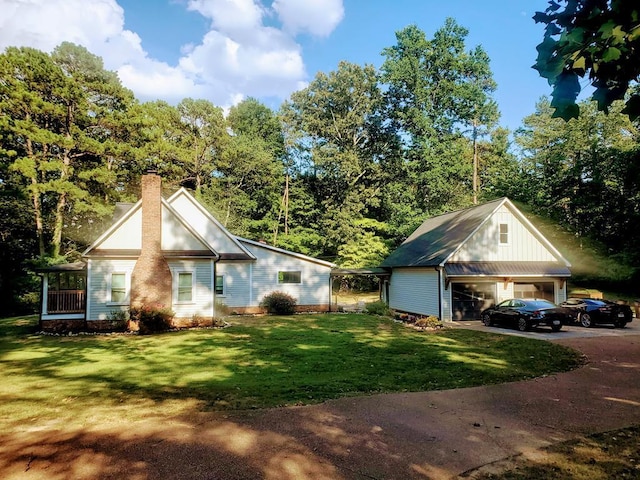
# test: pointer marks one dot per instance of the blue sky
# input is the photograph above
(226, 50)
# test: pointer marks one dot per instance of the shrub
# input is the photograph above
(279, 303)
(221, 309)
(118, 319)
(378, 308)
(429, 322)
(152, 318)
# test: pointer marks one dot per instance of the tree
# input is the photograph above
(597, 38)
(60, 113)
(436, 89)
(338, 122)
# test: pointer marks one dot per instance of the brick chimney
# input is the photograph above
(151, 277)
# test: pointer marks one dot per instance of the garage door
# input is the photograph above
(534, 290)
(469, 299)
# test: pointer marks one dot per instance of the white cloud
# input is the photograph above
(239, 57)
(318, 17)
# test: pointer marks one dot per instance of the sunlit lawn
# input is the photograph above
(257, 362)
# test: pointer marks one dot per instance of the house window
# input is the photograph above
(290, 277)
(219, 285)
(118, 287)
(504, 233)
(185, 286)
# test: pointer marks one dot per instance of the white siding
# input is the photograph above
(202, 300)
(237, 283)
(175, 236)
(127, 237)
(522, 246)
(98, 283)
(415, 290)
(314, 288)
(215, 234)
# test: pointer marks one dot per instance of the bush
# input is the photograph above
(118, 319)
(429, 322)
(279, 303)
(378, 308)
(152, 318)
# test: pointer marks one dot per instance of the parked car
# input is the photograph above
(525, 313)
(589, 312)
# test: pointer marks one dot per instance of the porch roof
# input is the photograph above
(63, 267)
(336, 272)
(506, 269)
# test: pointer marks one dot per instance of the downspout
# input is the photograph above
(439, 269)
(86, 295)
(44, 292)
(214, 261)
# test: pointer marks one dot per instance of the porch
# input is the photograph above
(63, 291)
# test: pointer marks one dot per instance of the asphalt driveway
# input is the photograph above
(568, 331)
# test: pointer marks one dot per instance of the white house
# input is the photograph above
(173, 252)
(455, 265)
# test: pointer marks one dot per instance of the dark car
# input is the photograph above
(525, 313)
(589, 312)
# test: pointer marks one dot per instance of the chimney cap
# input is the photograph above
(152, 171)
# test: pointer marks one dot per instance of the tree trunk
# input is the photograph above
(475, 162)
(37, 204)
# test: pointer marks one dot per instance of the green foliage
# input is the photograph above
(152, 318)
(279, 303)
(377, 308)
(255, 363)
(596, 37)
(119, 319)
(430, 322)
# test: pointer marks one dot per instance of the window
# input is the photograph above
(504, 233)
(185, 287)
(219, 288)
(290, 277)
(118, 287)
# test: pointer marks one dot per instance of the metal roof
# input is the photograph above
(438, 237)
(506, 269)
(63, 267)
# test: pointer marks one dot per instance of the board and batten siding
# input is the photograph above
(201, 222)
(415, 290)
(99, 281)
(484, 245)
(202, 296)
(237, 283)
(312, 290)
(175, 236)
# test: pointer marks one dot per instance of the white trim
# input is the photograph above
(482, 223)
(64, 316)
(176, 286)
(127, 288)
(286, 252)
(289, 283)
(224, 288)
(87, 295)
(251, 284)
(508, 233)
(211, 218)
(44, 308)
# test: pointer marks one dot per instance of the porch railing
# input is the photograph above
(65, 301)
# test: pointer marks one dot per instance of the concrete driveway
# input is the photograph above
(568, 331)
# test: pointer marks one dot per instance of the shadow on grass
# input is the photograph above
(272, 362)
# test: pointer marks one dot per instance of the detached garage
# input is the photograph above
(457, 264)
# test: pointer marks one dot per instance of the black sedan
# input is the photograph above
(525, 313)
(589, 312)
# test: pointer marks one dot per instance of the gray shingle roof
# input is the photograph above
(438, 237)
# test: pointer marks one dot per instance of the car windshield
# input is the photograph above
(541, 304)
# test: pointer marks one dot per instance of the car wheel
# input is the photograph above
(585, 320)
(523, 325)
(556, 328)
(620, 323)
(486, 320)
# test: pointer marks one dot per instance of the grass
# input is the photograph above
(600, 456)
(257, 362)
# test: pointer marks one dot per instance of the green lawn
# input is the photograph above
(257, 362)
